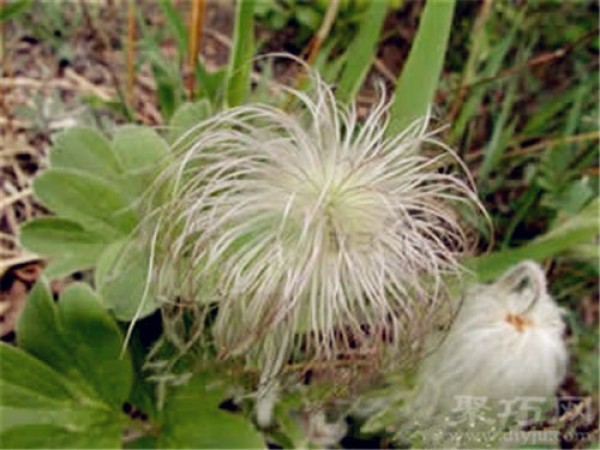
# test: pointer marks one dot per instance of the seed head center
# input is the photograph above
(518, 321)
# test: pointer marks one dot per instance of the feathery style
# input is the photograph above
(506, 343)
(311, 231)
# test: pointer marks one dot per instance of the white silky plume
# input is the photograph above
(307, 223)
(506, 343)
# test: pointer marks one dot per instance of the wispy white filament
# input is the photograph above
(311, 231)
(506, 344)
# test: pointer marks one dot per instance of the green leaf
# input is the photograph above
(96, 343)
(362, 50)
(67, 391)
(140, 151)
(121, 277)
(568, 235)
(65, 265)
(211, 84)
(240, 65)
(39, 408)
(192, 419)
(144, 390)
(138, 147)
(419, 78)
(54, 236)
(143, 443)
(574, 196)
(13, 9)
(43, 380)
(70, 247)
(86, 199)
(308, 16)
(38, 330)
(86, 150)
(169, 84)
(79, 339)
(187, 116)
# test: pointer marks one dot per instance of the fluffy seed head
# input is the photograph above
(311, 231)
(505, 344)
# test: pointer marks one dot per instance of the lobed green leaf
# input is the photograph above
(71, 247)
(186, 117)
(84, 149)
(66, 384)
(192, 419)
(121, 278)
(87, 199)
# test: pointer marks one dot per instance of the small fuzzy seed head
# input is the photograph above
(315, 235)
(505, 344)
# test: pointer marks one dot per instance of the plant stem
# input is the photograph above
(131, 34)
(194, 41)
(323, 32)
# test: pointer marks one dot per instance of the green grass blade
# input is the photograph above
(503, 126)
(498, 142)
(492, 67)
(242, 51)
(540, 121)
(327, 64)
(169, 85)
(575, 231)
(176, 25)
(419, 78)
(362, 51)
(13, 9)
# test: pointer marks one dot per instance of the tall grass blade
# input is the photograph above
(169, 85)
(176, 25)
(492, 67)
(240, 65)
(10, 10)
(362, 51)
(327, 63)
(503, 127)
(419, 78)
(478, 40)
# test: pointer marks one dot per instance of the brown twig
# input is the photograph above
(385, 71)
(194, 41)
(544, 58)
(315, 44)
(6, 71)
(17, 196)
(73, 82)
(302, 367)
(591, 171)
(520, 151)
(317, 41)
(130, 53)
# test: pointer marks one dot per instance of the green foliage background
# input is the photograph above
(518, 87)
